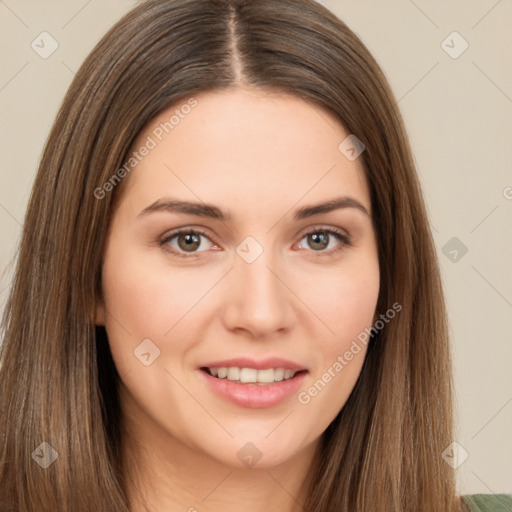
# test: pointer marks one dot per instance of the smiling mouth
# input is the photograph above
(252, 375)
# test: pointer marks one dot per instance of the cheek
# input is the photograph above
(145, 298)
(130, 295)
(344, 300)
(141, 303)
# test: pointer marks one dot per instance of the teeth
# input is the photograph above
(233, 374)
(266, 375)
(279, 374)
(288, 374)
(248, 375)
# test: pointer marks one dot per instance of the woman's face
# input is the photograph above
(256, 282)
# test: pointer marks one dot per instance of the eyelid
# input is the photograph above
(323, 227)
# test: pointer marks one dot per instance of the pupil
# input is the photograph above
(191, 241)
(320, 238)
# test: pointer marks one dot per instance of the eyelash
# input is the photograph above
(342, 237)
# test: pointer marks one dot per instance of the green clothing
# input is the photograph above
(489, 502)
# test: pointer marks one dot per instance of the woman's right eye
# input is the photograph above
(185, 242)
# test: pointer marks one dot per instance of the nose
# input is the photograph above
(258, 298)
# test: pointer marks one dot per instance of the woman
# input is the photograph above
(227, 291)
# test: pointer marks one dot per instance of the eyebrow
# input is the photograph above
(211, 211)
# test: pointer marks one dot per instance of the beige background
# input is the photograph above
(458, 112)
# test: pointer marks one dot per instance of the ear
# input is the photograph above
(99, 317)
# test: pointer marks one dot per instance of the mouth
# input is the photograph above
(247, 375)
(253, 383)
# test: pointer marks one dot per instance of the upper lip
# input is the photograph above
(261, 364)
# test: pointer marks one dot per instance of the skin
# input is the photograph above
(258, 156)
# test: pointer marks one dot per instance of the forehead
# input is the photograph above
(247, 147)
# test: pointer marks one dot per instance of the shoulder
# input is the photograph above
(488, 502)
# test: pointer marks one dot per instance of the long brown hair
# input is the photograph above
(58, 381)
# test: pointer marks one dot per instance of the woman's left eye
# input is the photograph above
(320, 240)
(188, 241)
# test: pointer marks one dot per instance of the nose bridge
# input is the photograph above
(259, 300)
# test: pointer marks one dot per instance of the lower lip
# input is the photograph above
(255, 396)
